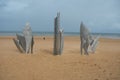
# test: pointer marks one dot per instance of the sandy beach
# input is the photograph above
(104, 64)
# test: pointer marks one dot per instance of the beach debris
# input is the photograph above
(44, 38)
(58, 36)
(25, 42)
(88, 41)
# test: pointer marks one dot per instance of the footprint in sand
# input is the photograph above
(110, 74)
(104, 71)
(97, 66)
(95, 79)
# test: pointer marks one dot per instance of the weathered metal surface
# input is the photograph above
(88, 43)
(25, 42)
(58, 36)
(18, 45)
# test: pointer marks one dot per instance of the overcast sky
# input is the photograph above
(97, 15)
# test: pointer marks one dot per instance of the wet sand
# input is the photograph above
(104, 64)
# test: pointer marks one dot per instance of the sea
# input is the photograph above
(102, 35)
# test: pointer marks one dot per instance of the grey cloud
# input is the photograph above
(98, 15)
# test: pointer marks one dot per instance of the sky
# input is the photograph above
(100, 16)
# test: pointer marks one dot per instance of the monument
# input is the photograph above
(88, 41)
(25, 42)
(58, 36)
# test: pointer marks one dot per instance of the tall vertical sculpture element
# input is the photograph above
(84, 35)
(25, 42)
(27, 32)
(58, 36)
(88, 42)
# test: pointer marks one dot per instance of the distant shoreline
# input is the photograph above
(102, 35)
(40, 36)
